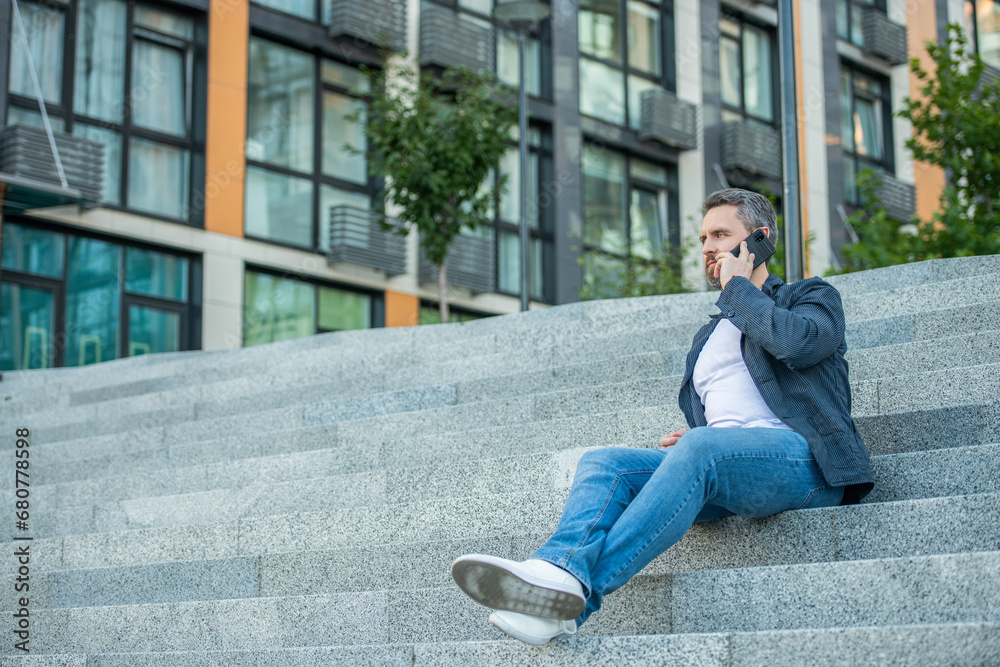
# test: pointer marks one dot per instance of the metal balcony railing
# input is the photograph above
(898, 198)
(667, 119)
(358, 237)
(471, 263)
(378, 22)
(883, 37)
(28, 168)
(753, 147)
(447, 39)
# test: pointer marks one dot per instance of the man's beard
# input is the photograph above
(713, 279)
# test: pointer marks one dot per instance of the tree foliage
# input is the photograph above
(955, 127)
(616, 278)
(436, 140)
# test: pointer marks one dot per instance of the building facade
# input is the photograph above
(210, 201)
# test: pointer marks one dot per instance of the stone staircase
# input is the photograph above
(300, 503)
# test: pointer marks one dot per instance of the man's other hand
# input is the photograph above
(671, 440)
(727, 265)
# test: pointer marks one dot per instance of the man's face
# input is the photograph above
(721, 231)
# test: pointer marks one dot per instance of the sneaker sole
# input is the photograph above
(497, 587)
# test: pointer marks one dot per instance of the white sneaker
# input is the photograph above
(532, 629)
(534, 587)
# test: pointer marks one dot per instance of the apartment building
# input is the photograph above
(209, 203)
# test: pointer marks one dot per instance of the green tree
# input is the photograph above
(881, 240)
(436, 140)
(616, 279)
(955, 127)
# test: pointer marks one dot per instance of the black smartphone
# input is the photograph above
(760, 245)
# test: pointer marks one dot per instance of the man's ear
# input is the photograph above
(767, 231)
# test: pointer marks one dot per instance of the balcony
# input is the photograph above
(883, 38)
(357, 237)
(754, 148)
(898, 198)
(28, 169)
(378, 22)
(667, 119)
(448, 40)
(471, 264)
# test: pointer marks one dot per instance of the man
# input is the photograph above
(766, 395)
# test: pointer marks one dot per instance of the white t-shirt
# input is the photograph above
(723, 382)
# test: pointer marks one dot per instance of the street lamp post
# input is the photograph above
(522, 16)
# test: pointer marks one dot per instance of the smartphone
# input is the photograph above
(760, 245)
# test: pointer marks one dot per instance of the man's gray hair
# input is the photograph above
(752, 209)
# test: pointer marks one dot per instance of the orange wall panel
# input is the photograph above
(921, 27)
(225, 161)
(401, 310)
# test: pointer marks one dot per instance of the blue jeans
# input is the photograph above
(627, 506)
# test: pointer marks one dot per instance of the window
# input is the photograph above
(982, 27)
(541, 235)
(296, 103)
(850, 18)
(71, 300)
(746, 71)
(629, 212)
(621, 56)
(283, 308)
(127, 84)
(306, 9)
(865, 127)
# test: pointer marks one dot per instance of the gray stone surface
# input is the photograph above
(366, 407)
(953, 644)
(921, 430)
(646, 392)
(881, 280)
(945, 472)
(158, 583)
(962, 588)
(936, 354)
(954, 321)
(922, 298)
(956, 386)
(332, 656)
(879, 332)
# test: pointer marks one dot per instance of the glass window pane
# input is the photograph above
(280, 106)
(846, 111)
(276, 309)
(730, 79)
(92, 296)
(44, 30)
(151, 330)
(158, 88)
(344, 76)
(329, 197)
(602, 92)
(857, 22)
(868, 128)
(507, 65)
(158, 179)
(481, 6)
(509, 265)
(644, 37)
(338, 131)
(156, 274)
(757, 73)
(636, 87)
(850, 189)
(603, 275)
(510, 201)
(20, 116)
(26, 328)
(988, 21)
(112, 141)
(279, 207)
(100, 59)
(599, 29)
(32, 250)
(647, 222)
(604, 200)
(304, 8)
(842, 22)
(340, 310)
(647, 171)
(169, 24)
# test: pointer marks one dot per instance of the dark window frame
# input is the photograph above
(672, 237)
(317, 177)
(888, 162)
(376, 312)
(190, 310)
(880, 5)
(772, 33)
(195, 107)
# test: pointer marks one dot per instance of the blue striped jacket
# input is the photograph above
(793, 345)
